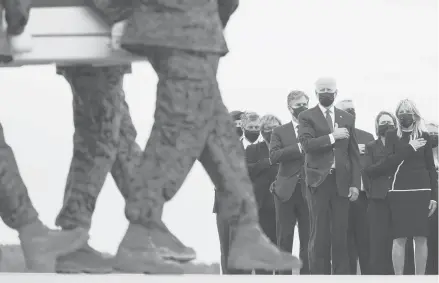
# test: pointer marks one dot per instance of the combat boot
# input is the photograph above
(147, 250)
(42, 246)
(251, 249)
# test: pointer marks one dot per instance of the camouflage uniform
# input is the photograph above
(16, 208)
(183, 41)
(40, 245)
(190, 117)
(104, 140)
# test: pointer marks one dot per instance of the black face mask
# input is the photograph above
(326, 99)
(351, 111)
(406, 120)
(251, 136)
(298, 110)
(382, 129)
(266, 136)
(434, 140)
(239, 131)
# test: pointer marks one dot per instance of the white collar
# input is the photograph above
(323, 109)
(295, 124)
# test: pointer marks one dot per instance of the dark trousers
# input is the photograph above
(358, 235)
(380, 236)
(224, 239)
(432, 258)
(267, 220)
(288, 213)
(326, 206)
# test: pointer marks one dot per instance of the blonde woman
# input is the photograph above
(414, 187)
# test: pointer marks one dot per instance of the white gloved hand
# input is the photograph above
(21, 43)
(117, 31)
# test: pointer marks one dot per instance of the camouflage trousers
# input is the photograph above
(103, 142)
(16, 209)
(191, 122)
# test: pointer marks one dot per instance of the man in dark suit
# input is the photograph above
(358, 230)
(332, 169)
(263, 173)
(289, 187)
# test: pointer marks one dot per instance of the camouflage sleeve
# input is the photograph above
(17, 15)
(225, 9)
(112, 11)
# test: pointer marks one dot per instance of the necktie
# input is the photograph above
(329, 120)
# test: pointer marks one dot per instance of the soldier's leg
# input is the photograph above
(124, 171)
(187, 95)
(97, 119)
(41, 245)
(97, 93)
(183, 109)
(223, 159)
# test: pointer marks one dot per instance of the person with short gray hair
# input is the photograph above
(251, 126)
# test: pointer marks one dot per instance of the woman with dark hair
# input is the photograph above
(413, 189)
(377, 187)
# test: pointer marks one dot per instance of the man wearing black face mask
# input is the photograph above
(358, 232)
(251, 125)
(289, 187)
(263, 173)
(333, 178)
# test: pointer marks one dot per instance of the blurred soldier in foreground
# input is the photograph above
(41, 246)
(222, 224)
(104, 142)
(184, 41)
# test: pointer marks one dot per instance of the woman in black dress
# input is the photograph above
(379, 180)
(413, 192)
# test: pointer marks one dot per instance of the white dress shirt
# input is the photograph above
(246, 142)
(332, 114)
(296, 130)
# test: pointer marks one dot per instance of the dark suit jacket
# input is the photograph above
(364, 137)
(319, 152)
(379, 182)
(284, 149)
(262, 173)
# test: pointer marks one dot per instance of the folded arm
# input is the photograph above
(255, 165)
(280, 153)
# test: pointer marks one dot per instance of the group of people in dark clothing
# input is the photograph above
(375, 203)
(353, 197)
